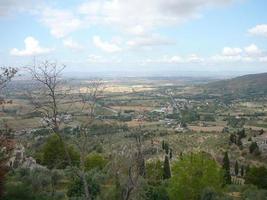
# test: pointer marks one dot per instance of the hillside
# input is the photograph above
(243, 85)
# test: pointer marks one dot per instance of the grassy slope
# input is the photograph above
(248, 83)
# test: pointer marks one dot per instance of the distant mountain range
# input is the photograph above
(251, 84)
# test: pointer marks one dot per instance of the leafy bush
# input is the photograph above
(192, 174)
(156, 192)
(36, 184)
(257, 176)
(154, 172)
(76, 188)
(95, 161)
(254, 148)
(18, 191)
(54, 155)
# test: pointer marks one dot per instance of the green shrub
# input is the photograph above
(95, 161)
(257, 176)
(192, 174)
(76, 188)
(154, 172)
(54, 154)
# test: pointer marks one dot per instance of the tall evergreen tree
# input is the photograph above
(247, 169)
(226, 168)
(163, 144)
(254, 148)
(241, 133)
(166, 168)
(232, 139)
(236, 168)
(239, 142)
(242, 170)
(142, 167)
(167, 148)
(181, 155)
(170, 154)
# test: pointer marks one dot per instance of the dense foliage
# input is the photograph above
(53, 154)
(192, 174)
(257, 176)
(95, 161)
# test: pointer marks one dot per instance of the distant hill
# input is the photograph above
(243, 86)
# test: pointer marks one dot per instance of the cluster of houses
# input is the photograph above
(164, 110)
(261, 141)
(183, 104)
(3, 102)
(65, 118)
(176, 105)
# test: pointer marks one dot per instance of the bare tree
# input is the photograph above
(6, 74)
(48, 92)
(47, 98)
(47, 95)
(6, 144)
(90, 96)
(128, 166)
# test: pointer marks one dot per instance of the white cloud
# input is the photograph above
(13, 6)
(194, 58)
(70, 43)
(229, 55)
(135, 17)
(170, 59)
(60, 22)
(260, 30)
(137, 30)
(253, 50)
(139, 16)
(250, 53)
(32, 48)
(263, 59)
(106, 46)
(97, 59)
(175, 59)
(153, 40)
(225, 59)
(228, 51)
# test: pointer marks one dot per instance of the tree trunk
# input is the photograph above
(85, 184)
(83, 175)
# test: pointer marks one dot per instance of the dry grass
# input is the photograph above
(135, 108)
(206, 129)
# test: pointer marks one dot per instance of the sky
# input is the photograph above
(136, 36)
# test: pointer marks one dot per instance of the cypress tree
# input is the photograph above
(236, 168)
(170, 154)
(163, 144)
(247, 169)
(242, 170)
(181, 155)
(166, 168)
(226, 168)
(232, 139)
(167, 148)
(241, 133)
(239, 142)
(142, 167)
(254, 148)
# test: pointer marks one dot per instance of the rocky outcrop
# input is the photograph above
(18, 159)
